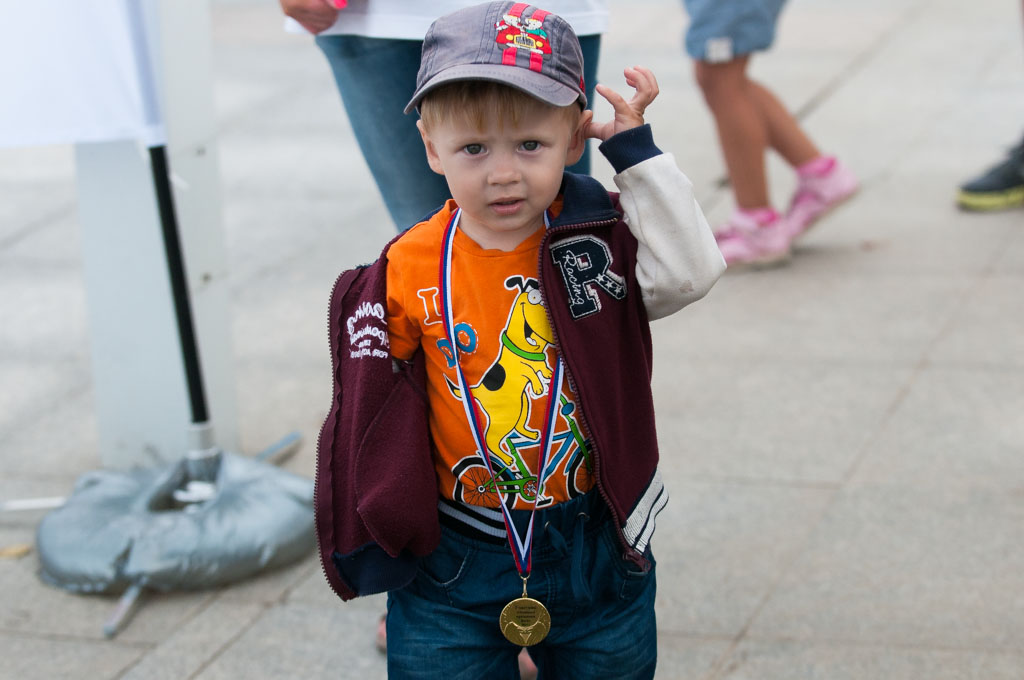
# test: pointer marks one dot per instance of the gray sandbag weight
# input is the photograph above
(120, 528)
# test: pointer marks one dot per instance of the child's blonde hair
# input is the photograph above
(473, 102)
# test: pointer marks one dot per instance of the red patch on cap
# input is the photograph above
(517, 33)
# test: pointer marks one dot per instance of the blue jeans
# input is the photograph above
(444, 625)
(376, 78)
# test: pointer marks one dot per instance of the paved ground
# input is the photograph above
(842, 438)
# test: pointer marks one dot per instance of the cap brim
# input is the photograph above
(532, 83)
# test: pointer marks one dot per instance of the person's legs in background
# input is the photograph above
(591, 47)
(755, 233)
(376, 78)
(750, 119)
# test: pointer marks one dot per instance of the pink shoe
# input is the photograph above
(744, 241)
(817, 194)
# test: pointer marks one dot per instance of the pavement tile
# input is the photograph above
(58, 440)
(313, 589)
(721, 547)
(970, 148)
(1012, 259)
(904, 242)
(904, 565)
(986, 332)
(37, 183)
(634, 19)
(681, 657)
(243, 166)
(273, 586)
(908, 80)
(302, 640)
(32, 608)
(805, 422)
(28, 166)
(29, 657)
(956, 426)
(51, 244)
(286, 404)
(255, 91)
(21, 489)
(788, 660)
(297, 301)
(30, 385)
(50, 303)
(250, 79)
(17, 542)
(258, 240)
(193, 645)
(882, 319)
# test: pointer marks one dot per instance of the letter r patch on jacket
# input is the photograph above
(585, 263)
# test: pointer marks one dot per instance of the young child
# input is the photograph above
(490, 457)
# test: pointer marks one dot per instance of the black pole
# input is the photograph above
(179, 286)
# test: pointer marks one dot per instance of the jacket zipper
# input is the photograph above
(629, 552)
(319, 438)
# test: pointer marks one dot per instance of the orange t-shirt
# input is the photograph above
(504, 335)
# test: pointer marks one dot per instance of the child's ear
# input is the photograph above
(578, 140)
(432, 158)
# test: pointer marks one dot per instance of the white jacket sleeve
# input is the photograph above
(677, 260)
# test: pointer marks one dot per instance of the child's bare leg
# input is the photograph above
(742, 132)
(784, 133)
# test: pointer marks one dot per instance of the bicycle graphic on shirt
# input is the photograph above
(475, 486)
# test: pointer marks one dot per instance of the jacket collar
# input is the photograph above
(584, 200)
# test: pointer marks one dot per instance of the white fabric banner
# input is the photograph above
(73, 72)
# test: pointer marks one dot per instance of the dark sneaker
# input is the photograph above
(999, 188)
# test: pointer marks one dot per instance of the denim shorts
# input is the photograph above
(444, 624)
(721, 31)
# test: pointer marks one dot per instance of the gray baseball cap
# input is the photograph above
(512, 43)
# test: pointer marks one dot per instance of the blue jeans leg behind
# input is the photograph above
(376, 78)
(444, 625)
(591, 46)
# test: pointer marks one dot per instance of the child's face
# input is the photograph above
(504, 177)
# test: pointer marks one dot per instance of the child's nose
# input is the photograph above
(503, 170)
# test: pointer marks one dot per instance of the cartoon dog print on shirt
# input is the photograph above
(520, 371)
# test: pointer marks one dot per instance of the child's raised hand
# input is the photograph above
(627, 114)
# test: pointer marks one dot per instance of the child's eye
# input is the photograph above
(473, 149)
(531, 145)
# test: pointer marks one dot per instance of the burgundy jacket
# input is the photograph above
(376, 492)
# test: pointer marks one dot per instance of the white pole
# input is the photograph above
(142, 401)
(186, 87)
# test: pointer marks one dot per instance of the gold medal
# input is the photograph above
(524, 621)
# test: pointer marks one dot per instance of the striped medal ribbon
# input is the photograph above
(524, 621)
